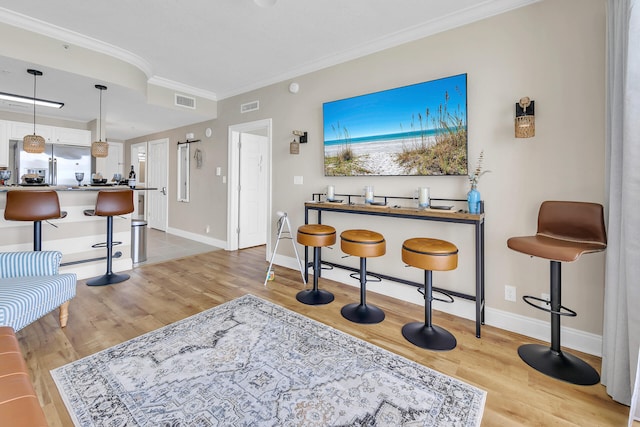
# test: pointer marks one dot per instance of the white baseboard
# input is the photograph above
(198, 237)
(571, 338)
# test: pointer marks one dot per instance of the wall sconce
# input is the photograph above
(294, 146)
(525, 118)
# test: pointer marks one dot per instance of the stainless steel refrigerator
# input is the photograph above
(58, 164)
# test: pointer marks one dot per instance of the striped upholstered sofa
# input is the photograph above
(31, 287)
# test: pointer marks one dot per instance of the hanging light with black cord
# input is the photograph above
(100, 148)
(33, 143)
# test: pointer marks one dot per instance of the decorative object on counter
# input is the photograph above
(132, 178)
(473, 196)
(331, 193)
(5, 175)
(525, 118)
(33, 178)
(100, 148)
(79, 177)
(117, 178)
(368, 193)
(97, 179)
(423, 197)
(33, 143)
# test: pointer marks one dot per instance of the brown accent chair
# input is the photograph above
(19, 404)
(566, 230)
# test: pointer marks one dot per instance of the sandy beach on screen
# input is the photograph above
(380, 159)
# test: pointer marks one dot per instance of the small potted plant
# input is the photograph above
(473, 196)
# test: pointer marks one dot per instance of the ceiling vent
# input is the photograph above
(250, 106)
(185, 101)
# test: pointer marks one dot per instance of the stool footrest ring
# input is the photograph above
(449, 299)
(104, 244)
(375, 277)
(564, 311)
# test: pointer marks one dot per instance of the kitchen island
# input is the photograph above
(76, 233)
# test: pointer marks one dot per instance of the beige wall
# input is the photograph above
(552, 51)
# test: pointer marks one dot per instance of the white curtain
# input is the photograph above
(621, 335)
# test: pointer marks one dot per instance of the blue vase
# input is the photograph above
(473, 199)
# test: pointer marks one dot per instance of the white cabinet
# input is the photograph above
(113, 163)
(18, 130)
(71, 136)
(4, 143)
(51, 134)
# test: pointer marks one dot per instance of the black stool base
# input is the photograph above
(360, 313)
(317, 297)
(558, 365)
(107, 279)
(429, 337)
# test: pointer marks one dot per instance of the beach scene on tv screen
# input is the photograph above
(419, 129)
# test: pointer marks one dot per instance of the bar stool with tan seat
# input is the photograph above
(430, 255)
(566, 230)
(364, 244)
(110, 203)
(317, 236)
(33, 205)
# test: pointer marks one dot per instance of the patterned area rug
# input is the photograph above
(249, 362)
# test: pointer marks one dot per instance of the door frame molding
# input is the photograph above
(234, 179)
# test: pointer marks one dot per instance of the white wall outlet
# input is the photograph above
(544, 297)
(510, 293)
(298, 180)
(218, 171)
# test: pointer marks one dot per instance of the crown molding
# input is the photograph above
(180, 87)
(71, 37)
(479, 11)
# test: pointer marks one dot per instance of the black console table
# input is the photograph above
(460, 217)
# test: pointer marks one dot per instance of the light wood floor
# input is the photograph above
(159, 294)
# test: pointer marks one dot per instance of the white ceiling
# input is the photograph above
(212, 48)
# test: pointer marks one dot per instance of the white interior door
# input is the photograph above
(252, 213)
(258, 127)
(157, 204)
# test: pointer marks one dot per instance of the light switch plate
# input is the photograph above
(298, 180)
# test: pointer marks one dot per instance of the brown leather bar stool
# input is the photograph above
(318, 236)
(110, 203)
(363, 244)
(566, 230)
(430, 255)
(33, 205)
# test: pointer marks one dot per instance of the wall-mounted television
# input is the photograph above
(416, 130)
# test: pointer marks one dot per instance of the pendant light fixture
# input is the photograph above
(33, 143)
(100, 148)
